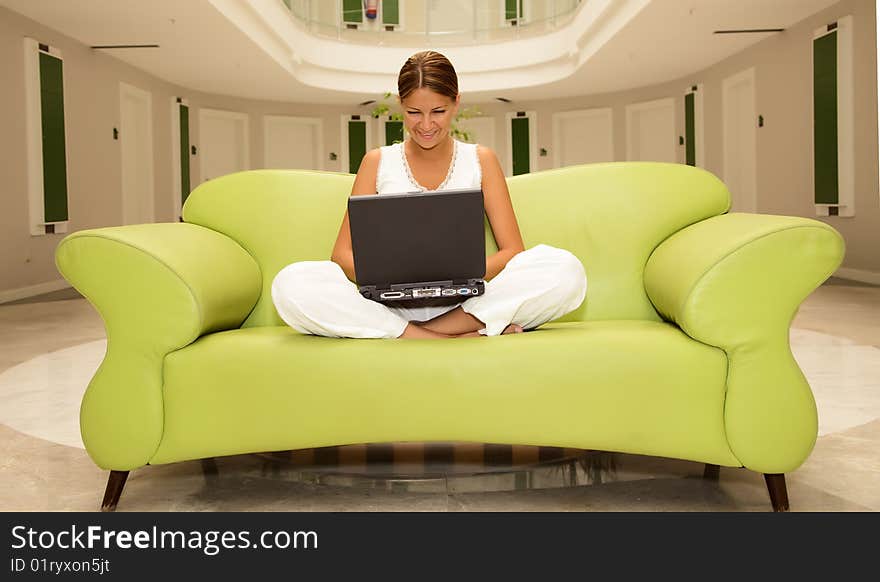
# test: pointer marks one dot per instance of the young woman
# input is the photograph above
(524, 288)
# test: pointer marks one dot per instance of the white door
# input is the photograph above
(136, 137)
(293, 143)
(583, 137)
(650, 131)
(740, 146)
(223, 139)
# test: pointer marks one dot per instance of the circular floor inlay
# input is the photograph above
(844, 376)
(41, 397)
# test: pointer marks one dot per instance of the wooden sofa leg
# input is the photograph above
(115, 483)
(711, 472)
(777, 490)
(209, 470)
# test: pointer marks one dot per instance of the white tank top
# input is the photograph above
(395, 176)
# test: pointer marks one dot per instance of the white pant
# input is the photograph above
(536, 286)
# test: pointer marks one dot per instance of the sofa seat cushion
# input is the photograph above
(630, 386)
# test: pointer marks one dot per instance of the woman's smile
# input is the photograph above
(428, 116)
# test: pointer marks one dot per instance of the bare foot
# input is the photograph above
(413, 331)
(512, 328)
(455, 323)
(470, 334)
(416, 331)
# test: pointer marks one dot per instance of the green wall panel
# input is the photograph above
(352, 11)
(54, 153)
(520, 137)
(390, 12)
(184, 152)
(357, 144)
(510, 9)
(825, 119)
(393, 132)
(690, 130)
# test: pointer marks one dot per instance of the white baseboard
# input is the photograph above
(858, 275)
(23, 292)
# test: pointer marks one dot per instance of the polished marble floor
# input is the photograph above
(50, 346)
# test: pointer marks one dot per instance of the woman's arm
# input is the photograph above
(499, 209)
(364, 184)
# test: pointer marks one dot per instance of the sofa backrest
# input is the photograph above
(611, 216)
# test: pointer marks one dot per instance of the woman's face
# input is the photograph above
(427, 116)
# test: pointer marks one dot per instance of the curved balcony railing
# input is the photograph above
(431, 22)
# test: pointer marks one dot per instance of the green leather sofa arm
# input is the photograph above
(158, 287)
(735, 281)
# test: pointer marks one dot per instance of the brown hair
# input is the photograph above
(427, 69)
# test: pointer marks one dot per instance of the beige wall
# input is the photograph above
(94, 169)
(94, 159)
(783, 76)
(783, 68)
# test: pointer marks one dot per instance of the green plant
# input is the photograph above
(384, 108)
(465, 135)
(388, 107)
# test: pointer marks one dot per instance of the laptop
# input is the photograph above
(419, 249)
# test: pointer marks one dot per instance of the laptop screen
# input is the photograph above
(418, 237)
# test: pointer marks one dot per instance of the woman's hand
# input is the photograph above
(499, 210)
(364, 184)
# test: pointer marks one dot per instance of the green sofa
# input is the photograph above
(680, 349)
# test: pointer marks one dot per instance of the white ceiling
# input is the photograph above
(671, 39)
(202, 50)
